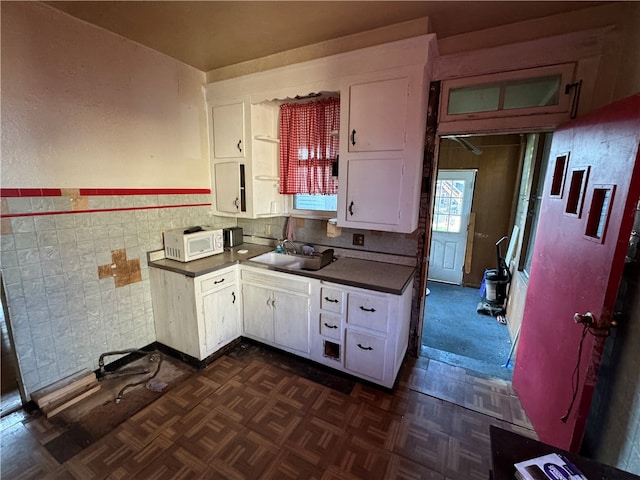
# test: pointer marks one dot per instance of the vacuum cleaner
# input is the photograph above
(493, 291)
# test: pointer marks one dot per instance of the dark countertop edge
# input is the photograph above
(178, 267)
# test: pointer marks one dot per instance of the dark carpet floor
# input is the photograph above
(456, 334)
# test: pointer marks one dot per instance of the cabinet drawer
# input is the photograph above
(289, 283)
(217, 281)
(330, 325)
(368, 311)
(365, 354)
(332, 300)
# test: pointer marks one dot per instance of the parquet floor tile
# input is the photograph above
(277, 420)
(375, 426)
(246, 456)
(142, 459)
(401, 468)
(100, 459)
(465, 460)
(291, 465)
(488, 402)
(223, 369)
(243, 418)
(315, 440)
(300, 393)
(263, 378)
(213, 432)
(237, 401)
(193, 391)
(421, 444)
(335, 407)
(433, 413)
(356, 457)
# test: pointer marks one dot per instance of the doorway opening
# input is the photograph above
(508, 175)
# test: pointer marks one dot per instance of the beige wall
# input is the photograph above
(83, 108)
(618, 74)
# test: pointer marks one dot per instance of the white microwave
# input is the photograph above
(186, 244)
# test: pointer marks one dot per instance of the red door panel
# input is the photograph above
(586, 218)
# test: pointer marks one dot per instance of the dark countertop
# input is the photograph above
(354, 272)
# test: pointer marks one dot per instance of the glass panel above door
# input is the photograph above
(474, 99)
(534, 92)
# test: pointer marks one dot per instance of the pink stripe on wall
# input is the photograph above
(57, 192)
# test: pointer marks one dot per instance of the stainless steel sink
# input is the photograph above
(295, 262)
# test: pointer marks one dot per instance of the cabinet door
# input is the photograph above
(377, 115)
(221, 317)
(374, 188)
(365, 354)
(258, 312)
(291, 321)
(229, 193)
(228, 131)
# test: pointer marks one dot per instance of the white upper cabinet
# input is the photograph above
(245, 159)
(228, 130)
(377, 113)
(383, 92)
(383, 120)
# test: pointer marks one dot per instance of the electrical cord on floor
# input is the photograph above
(575, 377)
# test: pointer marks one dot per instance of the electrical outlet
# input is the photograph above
(267, 229)
(358, 239)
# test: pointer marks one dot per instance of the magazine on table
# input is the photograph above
(548, 467)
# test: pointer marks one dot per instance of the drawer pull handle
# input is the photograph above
(216, 282)
(233, 294)
(239, 146)
(353, 137)
(332, 300)
(364, 348)
(367, 309)
(330, 326)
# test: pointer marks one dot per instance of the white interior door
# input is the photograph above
(452, 205)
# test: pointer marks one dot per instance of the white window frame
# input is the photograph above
(515, 118)
(313, 214)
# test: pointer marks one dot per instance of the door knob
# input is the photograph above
(586, 319)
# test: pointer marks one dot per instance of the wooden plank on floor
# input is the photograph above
(62, 388)
(55, 408)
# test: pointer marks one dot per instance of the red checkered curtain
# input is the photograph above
(307, 147)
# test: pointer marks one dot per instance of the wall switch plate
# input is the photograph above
(358, 239)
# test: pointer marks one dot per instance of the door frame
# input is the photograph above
(7, 319)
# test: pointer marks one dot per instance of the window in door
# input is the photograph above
(447, 214)
(598, 215)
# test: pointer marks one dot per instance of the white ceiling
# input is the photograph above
(212, 34)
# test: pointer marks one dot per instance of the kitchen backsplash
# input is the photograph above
(381, 246)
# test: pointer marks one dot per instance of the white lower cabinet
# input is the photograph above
(358, 331)
(196, 315)
(362, 332)
(277, 309)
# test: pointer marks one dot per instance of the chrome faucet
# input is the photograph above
(289, 247)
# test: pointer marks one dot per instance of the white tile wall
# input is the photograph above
(63, 316)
